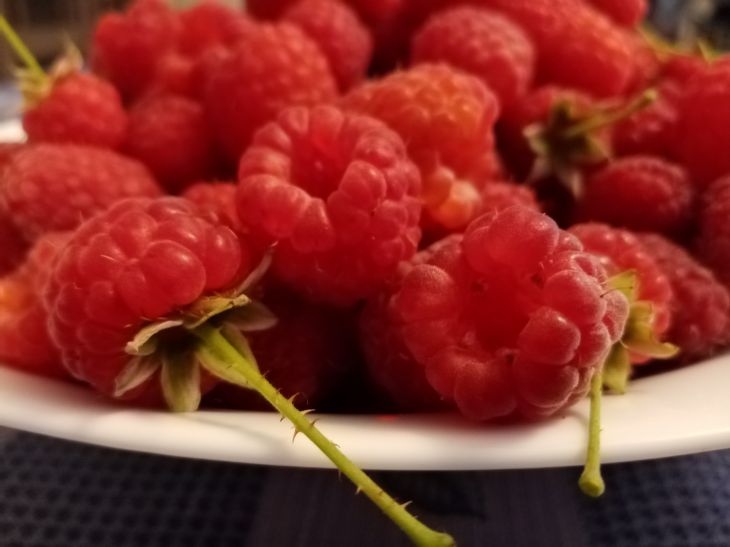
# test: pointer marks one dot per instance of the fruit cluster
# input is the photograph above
(478, 205)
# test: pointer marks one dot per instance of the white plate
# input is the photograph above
(680, 412)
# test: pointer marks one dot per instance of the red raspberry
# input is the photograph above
(306, 355)
(511, 319)
(628, 13)
(127, 48)
(268, 9)
(12, 244)
(621, 251)
(53, 187)
(271, 67)
(704, 125)
(77, 109)
(209, 24)
(140, 261)
(713, 243)
(701, 305)
(217, 201)
(641, 193)
(338, 194)
(483, 43)
(170, 135)
(501, 195)
(342, 37)
(24, 340)
(175, 75)
(446, 118)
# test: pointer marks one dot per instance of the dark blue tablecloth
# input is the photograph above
(60, 494)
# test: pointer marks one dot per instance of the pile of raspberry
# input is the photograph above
(405, 205)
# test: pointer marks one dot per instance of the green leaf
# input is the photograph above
(617, 369)
(135, 373)
(207, 307)
(180, 380)
(639, 336)
(252, 318)
(144, 342)
(626, 283)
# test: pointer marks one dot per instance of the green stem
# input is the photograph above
(591, 481)
(20, 48)
(216, 343)
(606, 119)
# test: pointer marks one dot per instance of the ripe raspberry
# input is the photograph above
(76, 109)
(480, 42)
(217, 201)
(642, 193)
(628, 13)
(126, 48)
(341, 36)
(268, 9)
(511, 319)
(701, 305)
(338, 194)
(24, 340)
(12, 244)
(170, 135)
(271, 67)
(175, 75)
(209, 24)
(446, 118)
(501, 195)
(306, 355)
(140, 261)
(53, 187)
(713, 243)
(704, 125)
(620, 251)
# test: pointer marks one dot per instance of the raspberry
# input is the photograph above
(24, 340)
(713, 243)
(446, 119)
(341, 36)
(704, 125)
(271, 67)
(12, 244)
(305, 355)
(217, 201)
(140, 261)
(53, 187)
(127, 48)
(501, 195)
(577, 46)
(701, 305)
(78, 108)
(170, 136)
(175, 75)
(513, 318)
(628, 13)
(641, 193)
(338, 194)
(209, 24)
(483, 43)
(268, 9)
(620, 251)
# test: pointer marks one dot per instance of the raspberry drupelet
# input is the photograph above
(713, 243)
(337, 194)
(446, 119)
(628, 13)
(53, 187)
(217, 200)
(483, 43)
(511, 319)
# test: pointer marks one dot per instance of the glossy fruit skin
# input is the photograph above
(270, 68)
(509, 320)
(446, 118)
(641, 193)
(342, 37)
(701, 304)
(501, 195)
(338, 196)
(164, 256)
(53, 187)
(216, 200)
(713, 241)
(25, 343)
(483, 43)
(79, 109)
(621, 251)
(170, 135)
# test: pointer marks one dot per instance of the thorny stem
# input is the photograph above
(20, 48)
(214, 342)
(591, 481)
(610, 118)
